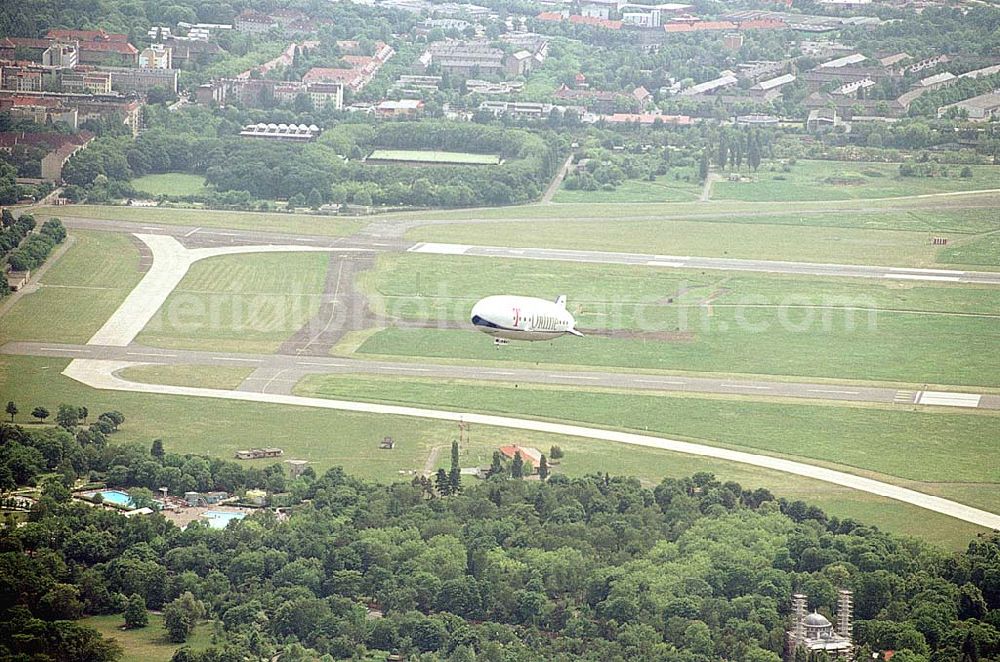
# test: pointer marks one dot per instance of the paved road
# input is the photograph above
(198, 237)
(277, 373)
(101, 375)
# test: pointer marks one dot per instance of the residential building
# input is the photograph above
(855, 87)
(402, 108)
(85, 82)
(98, 46)
(733, 41)
(520, 109)
(985, 71)
(854, 58)
(141, 81)
(467, 58)
(644, 119)
(979, 109)
(771, 88)
(40, 110)
(22, 77)
(532, 457)
(936, 81)
(157, 56)
(324, 94)
(711, 86)
(187, 52)
(253, 22)
(926, 63)
(61, 54)
(604, 9)
(58, 148)
(600, 101)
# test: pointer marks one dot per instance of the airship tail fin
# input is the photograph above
(561, 300)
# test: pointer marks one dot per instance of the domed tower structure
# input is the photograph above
(815, 632)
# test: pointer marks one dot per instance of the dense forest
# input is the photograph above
(588, 568)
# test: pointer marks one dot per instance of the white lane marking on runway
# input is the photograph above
(660, 263)
(574, 377)
(325, 365)
(159, 356)
(759, 388)
(831, 390)
(953, 279)
(948, 399)
(399, 367)
(926, 271)
(149, 227)
(224, 234)
(192, 232)
(61, 349)
(439, 249)
(499, 372)
(233, 358)
(659, 381)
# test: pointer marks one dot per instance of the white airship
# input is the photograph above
(508, 318)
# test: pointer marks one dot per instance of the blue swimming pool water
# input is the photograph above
(116, 497)
(219, 520)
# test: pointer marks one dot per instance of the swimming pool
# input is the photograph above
(116, 497)
(219, 520)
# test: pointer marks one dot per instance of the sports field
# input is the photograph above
(170, 183)
(427, 156)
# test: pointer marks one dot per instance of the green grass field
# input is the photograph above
(188, 375)
(840, 180)
(711, 322)
(664, 189)
(79, 292)
(427, 156)
(171, 183)
(980, 252)
(238, 220)
(148, 644)
(240, 303)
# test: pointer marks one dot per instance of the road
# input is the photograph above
(101, 375)
(205, 237)
(278, 373)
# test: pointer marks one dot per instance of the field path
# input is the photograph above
(35, 281)
(557, 181)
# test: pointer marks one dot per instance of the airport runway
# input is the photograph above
(278, 373)
(196, 237)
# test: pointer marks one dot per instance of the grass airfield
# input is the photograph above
(927, 333)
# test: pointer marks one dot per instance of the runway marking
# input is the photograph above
(159, 356)
(399, 367)
(439, 249)
(61, 349)
(659, 381)
(831, 390)
(575, 377)
(497, 372)
(758, 388)
(233, 358)
(915, 270)
(951, 279)
(149, 227)
(325, 365)
(944, 399)
(192, 232)
(333, 309)
(224, 234)
(905, 397)
(660, 263)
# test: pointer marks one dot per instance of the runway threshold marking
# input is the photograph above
(192, 232)
(944, 399)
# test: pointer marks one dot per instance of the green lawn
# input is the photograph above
(79, 292)
(901, 444)
(840, 180)
(240, 303)
(148, 644)
(188, 375)
(706, 322)
(428, 156)
(664, 189)
(980, 252)
(171, 183)
(708, 239)
(238, 220)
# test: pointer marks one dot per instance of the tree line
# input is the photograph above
(588, 568)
